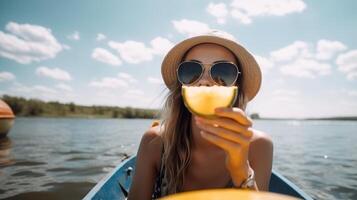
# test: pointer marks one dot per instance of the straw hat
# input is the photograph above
(251, 73)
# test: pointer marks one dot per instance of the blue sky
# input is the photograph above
(109, 52)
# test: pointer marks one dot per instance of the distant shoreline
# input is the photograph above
(108, 117)
(307, 119)
(37, 108)
(79, 117)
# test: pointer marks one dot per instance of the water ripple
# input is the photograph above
(64, 158)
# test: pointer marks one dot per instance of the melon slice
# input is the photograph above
(202, 100)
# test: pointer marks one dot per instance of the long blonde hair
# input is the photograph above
(177, 135)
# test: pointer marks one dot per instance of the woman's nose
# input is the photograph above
(205, 80)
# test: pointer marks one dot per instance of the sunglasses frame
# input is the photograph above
(209, 71)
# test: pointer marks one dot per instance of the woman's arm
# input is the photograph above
(145, 172)
(261, 159)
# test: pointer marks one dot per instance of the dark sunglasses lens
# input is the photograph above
(189, 72)
(224, 73)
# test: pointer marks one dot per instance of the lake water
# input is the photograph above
(60, 158)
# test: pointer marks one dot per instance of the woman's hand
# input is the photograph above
(230, 130)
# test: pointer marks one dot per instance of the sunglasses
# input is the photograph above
(223, 73)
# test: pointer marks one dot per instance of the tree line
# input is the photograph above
(35, 107)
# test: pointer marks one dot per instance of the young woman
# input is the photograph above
(186, 152)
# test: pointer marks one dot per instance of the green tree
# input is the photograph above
(33, 108)
(129, 112)
(115, 114)
(254, 116)
(72, 107)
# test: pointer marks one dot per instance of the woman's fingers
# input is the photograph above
(227, 145)
(236, 158)
(234, 113)
(225, 133)
(229, 124)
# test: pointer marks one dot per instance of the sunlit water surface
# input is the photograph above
(61, 158)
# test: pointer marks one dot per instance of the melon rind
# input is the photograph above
(202, 100)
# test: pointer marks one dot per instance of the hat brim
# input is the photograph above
(251, 73)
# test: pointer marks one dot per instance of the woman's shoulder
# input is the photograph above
(261, 137)
(261, 144)
(151, 142)
(152, 135)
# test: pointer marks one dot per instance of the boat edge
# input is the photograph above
(101, 183)
(292, 185)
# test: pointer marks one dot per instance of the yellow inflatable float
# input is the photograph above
(228, 194)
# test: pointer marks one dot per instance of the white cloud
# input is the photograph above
(279, 81)
(190, 27)
(43, 89)
(34, 90)
(74, 36)
(219, 11)
(135, 52)
(160, 45)
(122, 80)
(326, 49)
(54, 73)
(64, 87)
(101, 36)
(131, 51)
(283, 98)
(285, 95)
(124, 97)
(6, 76)
(303, 60)
(285, 92)
(347, 63)
(134, 93)
(193, 28)
(109, 82)
(265, 63)
(292, 51)
(42, 92)
(243, 18)
(26, 43)
(245, 10)
(155, 80)
(352, 93)
(295, 103)
(306, 68)
(127, 77)
(103, 55)
(343, 91)
(223, 34)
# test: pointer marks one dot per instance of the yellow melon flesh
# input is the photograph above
(202, 100)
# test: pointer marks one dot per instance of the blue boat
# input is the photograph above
(117, 183)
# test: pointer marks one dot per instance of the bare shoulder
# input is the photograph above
(151, 136)
(148, 157)
(151, 144)
(261, 141)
